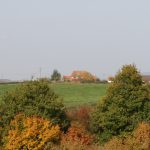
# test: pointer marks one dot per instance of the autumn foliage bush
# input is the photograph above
(87, 77)
(84, 76)
(81, 115)
(141, 136)
(77, 135)
(139, 140)
(30, 133)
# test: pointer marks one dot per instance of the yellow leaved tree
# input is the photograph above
(30, 133)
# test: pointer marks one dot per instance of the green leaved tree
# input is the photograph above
(126, 104)
(34, 98)
(56, 76)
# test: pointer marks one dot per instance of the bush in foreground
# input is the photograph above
(30, 133)
(126, 104)
(33, 98)
(139, 140)
(77, 135)
(80, 114)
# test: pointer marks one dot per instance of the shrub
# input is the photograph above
(84, 76)
(81, 114)
(139, 140)
(126, 104)
(76, 138)
(30, 133)
(33, 98)
(70, 146)
(141, 136)
(77, 135)
(87, 77)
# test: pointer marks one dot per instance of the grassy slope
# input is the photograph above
(80, 94)
(72, 94)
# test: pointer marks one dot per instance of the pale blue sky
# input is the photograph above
(95, 35)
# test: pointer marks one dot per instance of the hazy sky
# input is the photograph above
(95, 35)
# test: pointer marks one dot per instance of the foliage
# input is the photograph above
(81, 115)
(30, 133)
(56, 76)
(84, 77)
(33, 98)
(76, 138)
(87, 77)
(140, 140)
(126, 104)
(76, 135)
(70, 146)
(141, 136)
(129, 75)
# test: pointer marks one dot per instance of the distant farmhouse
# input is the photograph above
(146, 78)
(79, 76)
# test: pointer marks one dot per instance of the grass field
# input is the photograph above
(73, 94)
(5, 88)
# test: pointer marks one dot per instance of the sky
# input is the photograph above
(94, 35)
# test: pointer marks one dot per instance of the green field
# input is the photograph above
(5, 88)
(73, 94)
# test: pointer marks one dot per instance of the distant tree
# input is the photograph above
(126, 104)
(56, 76)
(84, 76)
(88, 77)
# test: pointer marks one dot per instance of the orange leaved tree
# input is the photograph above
(77, 135)
(30, 133)
(139, 140)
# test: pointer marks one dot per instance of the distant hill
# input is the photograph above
(5, 81)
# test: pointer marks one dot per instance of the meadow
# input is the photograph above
(73, 94)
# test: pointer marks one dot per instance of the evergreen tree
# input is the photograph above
(56, 76)
(126, 104)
